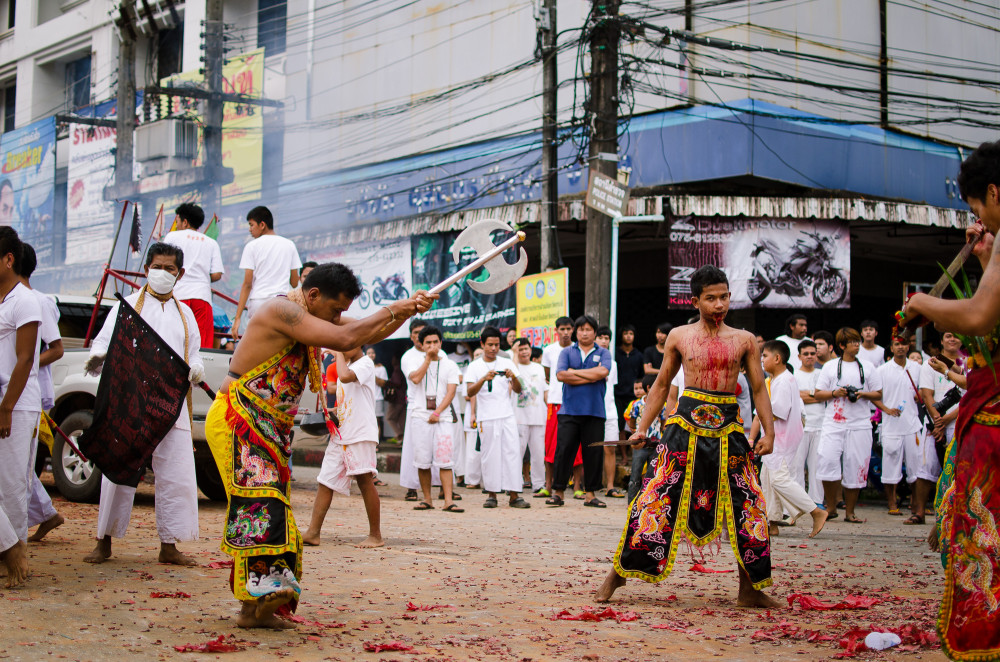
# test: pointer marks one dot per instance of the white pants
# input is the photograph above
(807, 455)
(501, 455)
(15, 454)
(433, 444)
(458, 452)
(782, 493)
(892, 456)
(40, 508)
(473, 459)
(533, 438)
(176, 494)
(408, 476)
(844, 455)
(342, 462)
(929, 467)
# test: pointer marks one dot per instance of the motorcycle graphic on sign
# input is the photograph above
(803, 269)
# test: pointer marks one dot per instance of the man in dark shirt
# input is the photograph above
(653, 356)
(630, 370)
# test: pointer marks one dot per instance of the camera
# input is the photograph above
(852, 393)
(950, 399)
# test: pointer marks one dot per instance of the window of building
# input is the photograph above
(10, 14)
(9, 102)
(272, 17)
(78, 83)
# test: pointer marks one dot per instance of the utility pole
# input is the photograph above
(125, 113)
(883, 64)
(603, 153)
(550, 150)
(212, 132)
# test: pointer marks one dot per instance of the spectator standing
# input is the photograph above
(530, 410)
(900, 423)
(796, 329)
(808, 453)
(381, 379)
(869, 351)
(652, 357)
(411, 361)
(633, 414)
(202, 267)
(631, 368)
(825, 348)
(473, 452)
(550, 356)
(395, 400)
(611, 427)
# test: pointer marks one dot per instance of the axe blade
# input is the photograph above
(502, 274)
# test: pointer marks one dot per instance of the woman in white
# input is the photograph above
(531, 409)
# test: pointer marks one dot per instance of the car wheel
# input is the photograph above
(76, 479)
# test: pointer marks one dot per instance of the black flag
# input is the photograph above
(135, 237)
(142, 390)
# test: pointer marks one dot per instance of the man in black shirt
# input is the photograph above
(653, 356)
(630, 369)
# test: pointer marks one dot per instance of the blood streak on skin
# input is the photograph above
(714, 362)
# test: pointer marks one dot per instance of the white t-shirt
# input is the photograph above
(813, 412)
(610, 409)
(787, 408)
(550, 358)
(793, 349)
(931, 378)
(380, 373)
(356, 404)
(841, 411)
(874, 356)
(898, 393)
(48, 333)
(272, 259)
(678, 381)
(530, 402)
(492, 401)
(202, 257)
(435, 383)
(18, 308)
(410, 361)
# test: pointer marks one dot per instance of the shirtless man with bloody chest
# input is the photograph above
(704, 476)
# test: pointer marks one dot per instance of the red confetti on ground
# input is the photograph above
(913, 638)
(178, 594)
(390, 646)
(220, 564)
(808, 602)
(788, 630)
(314, 624)
(220, 645)
(697, 567)
(597, 616)
(415, 607)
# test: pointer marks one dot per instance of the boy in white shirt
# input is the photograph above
(530, 411)
(808, 454)
(847, 384)
(900, 423)
(432, 422)
(491, 379)
(869, 351)
(202, 267)
(610, 418)
(353, 454)
(781, 492)
(473, 455)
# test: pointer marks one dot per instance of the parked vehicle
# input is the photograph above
(807, 266)
(390, 289)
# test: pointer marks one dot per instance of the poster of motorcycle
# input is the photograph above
(383, 267)
(771, 263)
(461, 312)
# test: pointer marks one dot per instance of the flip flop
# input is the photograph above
(423, 505)
(554, 501)
(915, 519)
(380, 483)
(455, 496)
(896, 512)
(579, 495)
(453, 509)
(411, 495)
(595, 503)
(615, 493)
(833, 516)
(854, 520)
(541, 493)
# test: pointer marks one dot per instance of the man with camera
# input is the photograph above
(845, 446)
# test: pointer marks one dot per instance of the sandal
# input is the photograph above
(411, 495)
(455, 496)
(380, 483)
(490, 503)
(615, 493)
(895, 512)
(595, 503)
(453, 509)
(423, 505)
(541, 493)
(831, 516)
(579, 495)
(519, 503)
(914, 519)
(554, 501)
(853, 519)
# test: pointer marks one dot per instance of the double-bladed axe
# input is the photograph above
(502, 273)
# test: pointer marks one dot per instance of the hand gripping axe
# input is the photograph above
(502, 273)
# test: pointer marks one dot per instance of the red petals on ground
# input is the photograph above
(314, 624)
(178, 594)
(220, 645)
(390, 646)
(787, 630)
(913, 638)
(597, 616)
(415, 607)
(809, 602)
(697, 567)
(220, 564)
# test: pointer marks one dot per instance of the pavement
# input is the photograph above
(480, 585)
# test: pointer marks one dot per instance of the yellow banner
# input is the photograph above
(541, 299)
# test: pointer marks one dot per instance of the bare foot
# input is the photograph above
(819, 520)
(310, 538)
(371, 542)
(260, 613)
(772, 529)
(611, 583)
(101, 553)
(46, 526)
(15, 560)
(170, 554)
(754, 598)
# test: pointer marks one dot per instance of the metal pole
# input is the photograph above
(213, 112)
(615, 230)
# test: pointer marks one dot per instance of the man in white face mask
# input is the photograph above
(173, 460)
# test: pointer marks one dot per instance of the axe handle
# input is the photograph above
(910, 325)
(462, 273)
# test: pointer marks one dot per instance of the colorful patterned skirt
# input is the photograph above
(703, 478)
(251, 446)
(969, 620)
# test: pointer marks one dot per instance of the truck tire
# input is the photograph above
(209, 481)
(75, 479)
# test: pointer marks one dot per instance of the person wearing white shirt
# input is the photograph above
(203, 266)
(411, 360)
(352, 456)
(806, 375)
(41, 512)
(610, 420)
(869, 351)
(900, 429)
(550, 356)
(270, 266)
(530, 410)
(492, 379)
(845, 445)
(473, 453)
(431, 426)
(381, 377)
(20, 406)
(176, 497)
(796, 330)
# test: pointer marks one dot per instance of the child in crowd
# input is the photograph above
(641, 456)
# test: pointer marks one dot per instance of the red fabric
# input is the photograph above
(203, 315)
(551, 433)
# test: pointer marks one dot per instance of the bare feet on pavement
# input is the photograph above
(170, 554)
(371, 542)
(819, 520)
(15, 560)
(611, 583)
(310, 538)
(260, 613)
(751, 597)
(101, 553)
(46, 526)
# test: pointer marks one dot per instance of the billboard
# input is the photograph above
(90, 219)
(541, 299)
(27, 185)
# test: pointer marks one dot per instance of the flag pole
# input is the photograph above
(121, 221)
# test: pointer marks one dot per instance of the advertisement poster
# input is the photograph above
(461, 312)
(242, 125)
(771, 263)
(90, 219)
(383, 267)
(27, 185)
(541, 299)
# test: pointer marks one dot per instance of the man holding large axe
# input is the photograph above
(969, 622)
